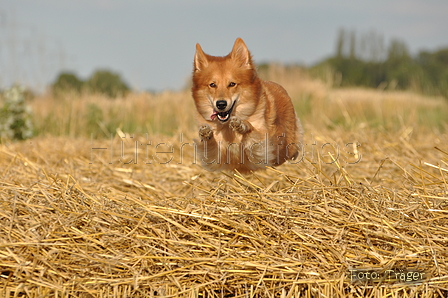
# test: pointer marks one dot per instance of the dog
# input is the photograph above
(245, 123)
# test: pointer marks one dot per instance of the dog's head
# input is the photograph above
(225, 86)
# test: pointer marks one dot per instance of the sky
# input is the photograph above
(151, 44)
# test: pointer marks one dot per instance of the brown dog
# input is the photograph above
(245, 123)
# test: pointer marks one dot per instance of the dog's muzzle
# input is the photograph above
(222, 116)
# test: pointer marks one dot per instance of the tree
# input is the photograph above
(371, 47)
(67, 82)
(108, 83)
(398, 51)
(340, 43)
(352, 45)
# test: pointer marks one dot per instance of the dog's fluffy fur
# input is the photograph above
(245, 123)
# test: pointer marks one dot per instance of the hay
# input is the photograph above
(83, 222)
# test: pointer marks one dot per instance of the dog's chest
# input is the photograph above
(227, 136)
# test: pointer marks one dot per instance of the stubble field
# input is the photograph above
(110, 200)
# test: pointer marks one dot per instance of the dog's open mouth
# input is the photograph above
(223, 116)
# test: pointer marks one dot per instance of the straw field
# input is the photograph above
(110, 201)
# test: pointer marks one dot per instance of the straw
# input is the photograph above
(73, 224)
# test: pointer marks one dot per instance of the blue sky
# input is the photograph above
(152, 43)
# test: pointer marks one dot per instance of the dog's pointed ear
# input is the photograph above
(241, 53)
(200, 59)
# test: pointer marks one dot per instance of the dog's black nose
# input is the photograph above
(221, 104)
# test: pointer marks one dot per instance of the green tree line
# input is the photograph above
(366, 60)
(102, 81)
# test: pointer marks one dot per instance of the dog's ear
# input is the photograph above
(200, 59)
(241, 53)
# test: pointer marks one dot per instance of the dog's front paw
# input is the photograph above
(205, 132)
(237, 125)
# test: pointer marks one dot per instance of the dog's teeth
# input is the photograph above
(223, 117)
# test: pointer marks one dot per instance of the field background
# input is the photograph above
(109, 200)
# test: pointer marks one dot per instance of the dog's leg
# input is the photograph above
(258, 150)
(240, 126)
(208, 149)
(205, 132)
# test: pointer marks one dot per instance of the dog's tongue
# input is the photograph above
(213, 116)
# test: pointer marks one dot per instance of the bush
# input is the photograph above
(15, 116)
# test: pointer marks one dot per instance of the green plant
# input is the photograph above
(94, 118)
(15, 115)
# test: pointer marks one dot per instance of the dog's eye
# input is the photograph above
(232, 84)
(213, 85)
